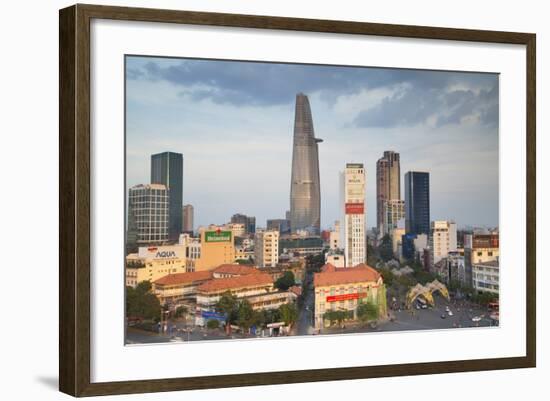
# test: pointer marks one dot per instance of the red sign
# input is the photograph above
(345, 297)
(355, 208)
(152, 249)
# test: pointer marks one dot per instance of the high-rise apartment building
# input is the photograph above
(148, 214)
(266, 248)
(442, 239)
(388, 186)
(417, 202)
(167, 169)
(305, 191)
(188, 218)
(354, 221)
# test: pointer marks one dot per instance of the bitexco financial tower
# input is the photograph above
(305, 188)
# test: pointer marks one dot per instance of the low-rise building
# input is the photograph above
(344, 289)
(257, 289)
(299, 245)
(233, 270)
(485, 276)
(335, 257)
(180, 288)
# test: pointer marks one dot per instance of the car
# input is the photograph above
(450, 313)
(476, 319)
(424, 306)
(443, 316)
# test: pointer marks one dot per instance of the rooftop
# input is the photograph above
(184, 278)
(234, 283)
(236, 269)
(331, 275)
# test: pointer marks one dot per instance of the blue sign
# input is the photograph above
(213, 315)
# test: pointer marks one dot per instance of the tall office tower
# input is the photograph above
(442, 240)
(353, 199)
(417, 202)
(148, 214)
(167, 169)
(249, 222)
(188, 218)
(305, 191)
(266, 248)
(388, 185)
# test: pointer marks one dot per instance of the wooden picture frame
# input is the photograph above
(74, 199)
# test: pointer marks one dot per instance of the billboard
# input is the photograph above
(355, 208)
(217, 236)
(162, 252)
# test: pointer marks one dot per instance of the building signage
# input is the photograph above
(213, 315)
(165, 254)
(346, 297)
(217, 236)
(355, 208)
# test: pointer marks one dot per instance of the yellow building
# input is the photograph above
(154, 262)
(216, 248)
(344, 289)
(266, 248)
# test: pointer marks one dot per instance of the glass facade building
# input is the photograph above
(147, 215)
(167, 169)
(417, 202)
(305, 189)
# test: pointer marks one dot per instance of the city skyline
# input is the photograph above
(187, 106)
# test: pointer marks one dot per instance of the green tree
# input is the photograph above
(286, 281)
(289, 313)
(244, 314)
(387, 276)
(367, 311)
(141, 302)
(386, 248)
(227, 304)
(213, 324)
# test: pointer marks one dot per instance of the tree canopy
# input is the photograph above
(141, 302)
(286, 281)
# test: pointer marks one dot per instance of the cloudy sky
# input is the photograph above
(233, 123)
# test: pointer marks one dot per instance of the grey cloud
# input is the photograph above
(415, 105)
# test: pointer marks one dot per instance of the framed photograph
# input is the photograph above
(250, 200)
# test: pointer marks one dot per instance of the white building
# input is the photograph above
(442, 240)
(334, 237)
(353, 183)
(266, 248)
(335, 258)
(485, 276)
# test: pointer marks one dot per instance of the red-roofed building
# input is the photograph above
(343, 289)
(233, 270)
(257, 288)
(174, 288)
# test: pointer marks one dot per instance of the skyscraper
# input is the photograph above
(167, 169)
(353, 198)
(417, 202)
(305, 189)
(249, 222)
(147, 215)
(188, 218)
(388, 185)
